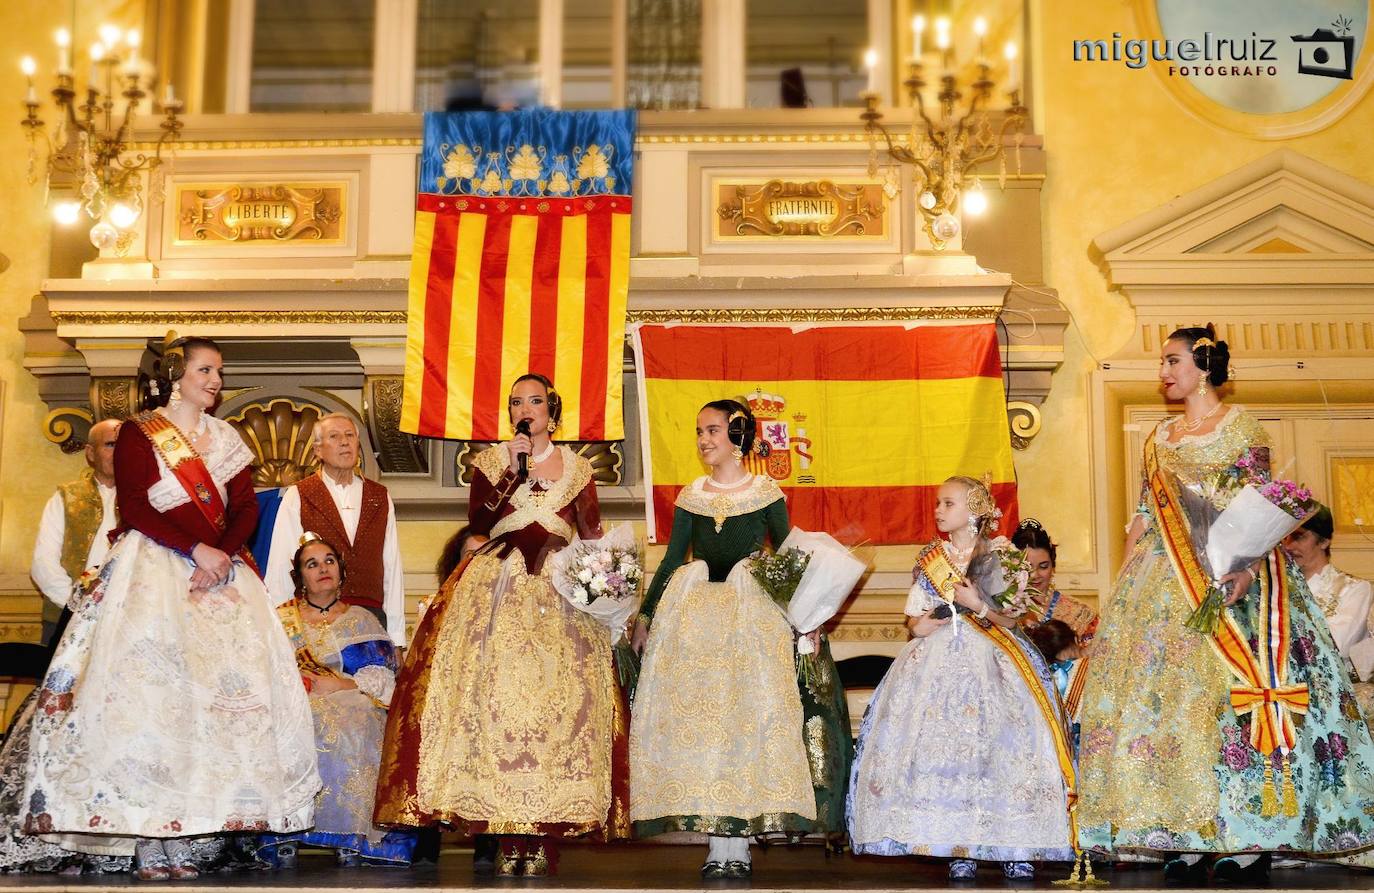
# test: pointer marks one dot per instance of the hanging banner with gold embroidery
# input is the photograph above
(521, 263)
(863, 422)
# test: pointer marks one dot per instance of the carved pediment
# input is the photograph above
(1283, 219)
(1279, 253)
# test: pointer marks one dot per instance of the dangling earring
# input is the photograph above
(176, 392)
(552, 426)
(738, 454)
(1202, 388)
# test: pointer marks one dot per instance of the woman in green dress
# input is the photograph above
(723, 740)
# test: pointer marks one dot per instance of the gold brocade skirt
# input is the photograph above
(517, 713)
(716, 732)
(1149, 735)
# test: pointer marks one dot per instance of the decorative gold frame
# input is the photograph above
(320, 213)
(742, 209)
(1317, 116)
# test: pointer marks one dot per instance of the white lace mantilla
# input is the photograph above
(226, 457)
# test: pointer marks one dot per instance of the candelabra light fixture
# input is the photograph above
(946, 145)
(89, 166)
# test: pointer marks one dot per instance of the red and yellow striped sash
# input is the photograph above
(1261, 687)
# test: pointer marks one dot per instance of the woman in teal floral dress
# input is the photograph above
(1171, 758)
(723, 738)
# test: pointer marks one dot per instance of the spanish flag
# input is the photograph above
(863, 422)
(521, 263)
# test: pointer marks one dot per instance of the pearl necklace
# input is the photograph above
(1188, 426)
(543, 454)
(960, 556)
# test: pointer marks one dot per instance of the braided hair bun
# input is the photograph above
(1213, 357)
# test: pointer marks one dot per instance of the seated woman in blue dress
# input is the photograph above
(348, 666)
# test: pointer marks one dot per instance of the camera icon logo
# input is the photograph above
(1326, 54)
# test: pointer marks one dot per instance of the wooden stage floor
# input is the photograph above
(650, 867)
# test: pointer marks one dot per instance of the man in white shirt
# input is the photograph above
(74, 529)
(355, 515)
(1345, 600)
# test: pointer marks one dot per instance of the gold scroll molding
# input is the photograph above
(68, 427)
(607, 458)
(397, 451)
(810, 314)
(115, 397)
(398, 317)
(783, 209)
(263, 214)
(1025, 422)
(228, 317)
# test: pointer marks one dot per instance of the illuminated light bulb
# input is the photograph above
(109, 35)
(927, 200)
(133, 38)
(980, 26)
(945, 227)
(123, 216)
(63, 37)
(28, 66)
(976, 202)
(97, 52)
(104, 236)
(66, 212)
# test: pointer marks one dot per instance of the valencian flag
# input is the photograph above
(864, 422)
(521, 264)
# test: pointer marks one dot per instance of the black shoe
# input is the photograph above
(1177, 871)
(713, 870)
(1228, 870)
(484, 850)
(737, 869)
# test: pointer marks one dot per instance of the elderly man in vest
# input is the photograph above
(356, 516)
(74, 530)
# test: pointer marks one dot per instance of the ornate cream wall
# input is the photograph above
(1118, 146)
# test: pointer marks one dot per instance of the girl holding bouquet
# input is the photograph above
(1237, 734)
(507, 718)
(722, 741)
(963, 751)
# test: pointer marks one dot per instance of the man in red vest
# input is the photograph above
(355, 515)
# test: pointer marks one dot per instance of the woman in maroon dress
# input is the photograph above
(172, 709)
(507, 718)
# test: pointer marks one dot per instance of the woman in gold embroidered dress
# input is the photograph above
(1166, 764)
(716, 743)
(507, 718)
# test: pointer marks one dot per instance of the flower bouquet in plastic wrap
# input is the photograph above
(1235, 520)
(808, 578)
(604, 578)
(1002, 575)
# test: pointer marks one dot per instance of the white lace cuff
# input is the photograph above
(376, 681)
(918, 602)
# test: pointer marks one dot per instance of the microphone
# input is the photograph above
(524, 428)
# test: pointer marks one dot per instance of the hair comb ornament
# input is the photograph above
(309, 537)
(1204, 342)
(173, 364)
(1030, 524)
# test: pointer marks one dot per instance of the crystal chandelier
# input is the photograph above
(947, 150)
(88, 159)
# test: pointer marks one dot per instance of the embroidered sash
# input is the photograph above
(186, 464)
(1073, 696)
(1261, 688)
(940, 574)
(289, 613)
(1063, 748)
